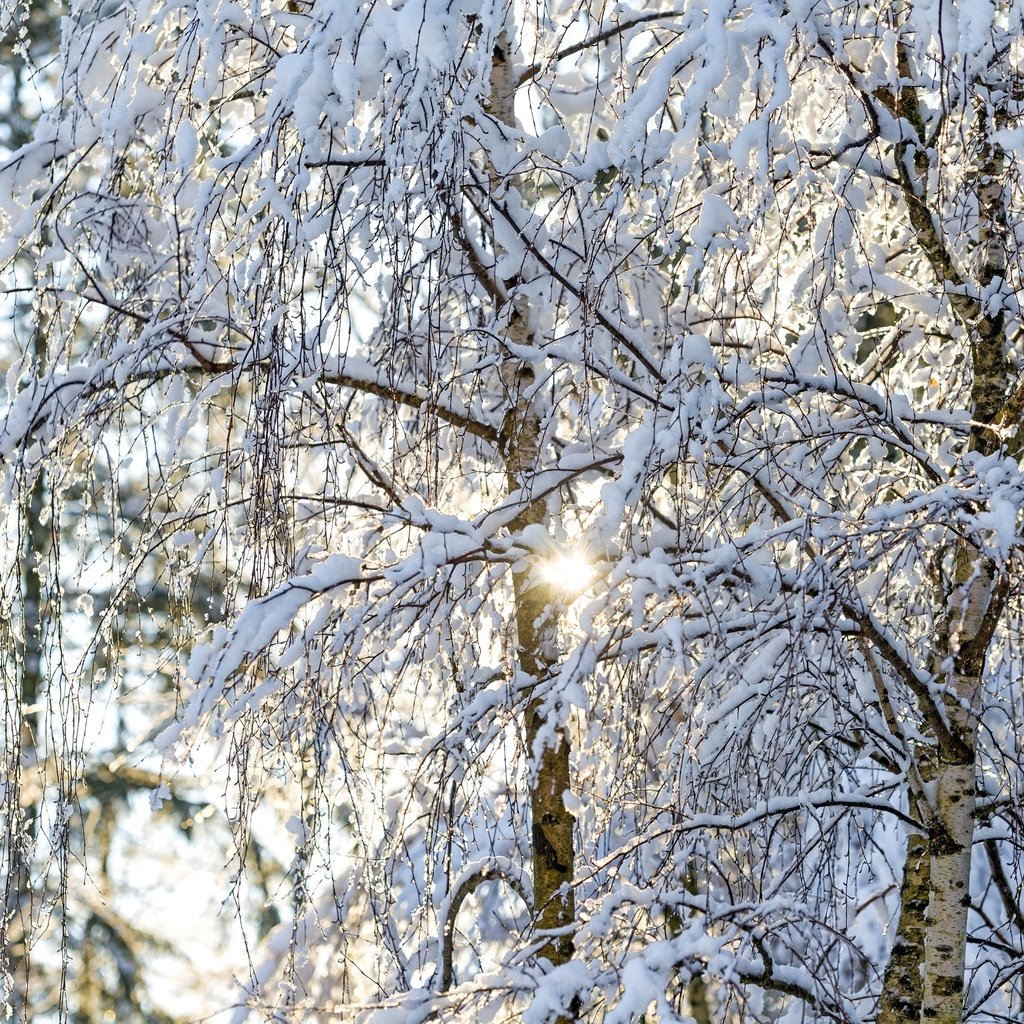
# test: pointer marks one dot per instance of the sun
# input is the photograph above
(569, 572)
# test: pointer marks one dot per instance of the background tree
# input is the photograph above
(75, 944)
(604, 427)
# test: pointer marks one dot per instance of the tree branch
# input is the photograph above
(486, 873)
(595, 40)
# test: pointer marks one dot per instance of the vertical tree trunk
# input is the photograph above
(27, 675)
(903, 984)
(974, 607)
(23, 821)
(977, 592)
(552, 828)
(535, 610)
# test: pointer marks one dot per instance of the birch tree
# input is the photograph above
(603, 423)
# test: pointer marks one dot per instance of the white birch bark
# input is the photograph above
(535, 608)
(976, 597)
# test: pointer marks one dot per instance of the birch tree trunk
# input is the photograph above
(902, 987)
(536, 611)
(973, 603)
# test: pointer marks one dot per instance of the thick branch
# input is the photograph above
(373, 385)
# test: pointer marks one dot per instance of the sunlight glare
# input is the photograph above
(569, 572)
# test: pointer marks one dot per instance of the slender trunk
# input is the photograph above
(536, 631)
(949, 898)
(23, 821)
(552, 830)
(697, 1001)
(536, 611)
(975, 598)
(903, 985)
(23, 683)
(974, 607)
